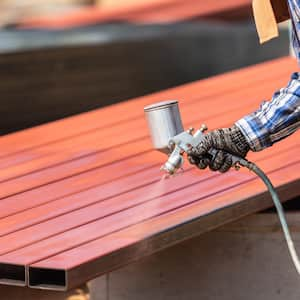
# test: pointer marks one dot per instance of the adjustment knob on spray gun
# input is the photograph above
(179, 145)
(168, 136)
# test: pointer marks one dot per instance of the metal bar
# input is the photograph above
(58, 207)
(80, 124)
(107, 191)
(48, 279)
(115, 222)
(96, 194)
(63, 170)
(13, 274)
(97, 142)
(86, 215)
(88, 223)
(123, 247)
(57, 189)
(54, 226)
(47, 176)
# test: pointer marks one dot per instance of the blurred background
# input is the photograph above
(63, 57)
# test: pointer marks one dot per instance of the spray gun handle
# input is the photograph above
(184, 141)
(237, 161)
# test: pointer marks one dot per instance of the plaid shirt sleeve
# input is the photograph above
(275, 119)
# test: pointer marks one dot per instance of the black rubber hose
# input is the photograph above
(254, 168)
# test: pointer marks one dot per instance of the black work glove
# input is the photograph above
(226, 141)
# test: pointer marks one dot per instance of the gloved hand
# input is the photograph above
(227, 141)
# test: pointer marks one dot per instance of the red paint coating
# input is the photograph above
(90, 179)
(118, 135)
(103, 218)
(128, 236)
(205, 89)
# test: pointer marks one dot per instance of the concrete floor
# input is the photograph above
(245, 260)
(20, 293)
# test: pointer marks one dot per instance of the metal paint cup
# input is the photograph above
(164, 122)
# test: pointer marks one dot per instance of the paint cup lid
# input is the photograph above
(160, 105)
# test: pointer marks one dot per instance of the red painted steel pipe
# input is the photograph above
(122, 112)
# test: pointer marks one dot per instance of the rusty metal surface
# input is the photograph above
(80, 197)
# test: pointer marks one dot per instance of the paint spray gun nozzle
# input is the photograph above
(181, 144)
(168, 135)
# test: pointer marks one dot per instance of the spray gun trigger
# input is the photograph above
(171, 145)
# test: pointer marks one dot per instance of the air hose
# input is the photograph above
(254, 168)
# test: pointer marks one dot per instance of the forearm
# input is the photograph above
(275, 119)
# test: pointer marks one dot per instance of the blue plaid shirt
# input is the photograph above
(279, 117)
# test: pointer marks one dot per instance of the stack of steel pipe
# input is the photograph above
(55, 74)
(82, 196)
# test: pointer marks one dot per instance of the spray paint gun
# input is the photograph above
(168, 136)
